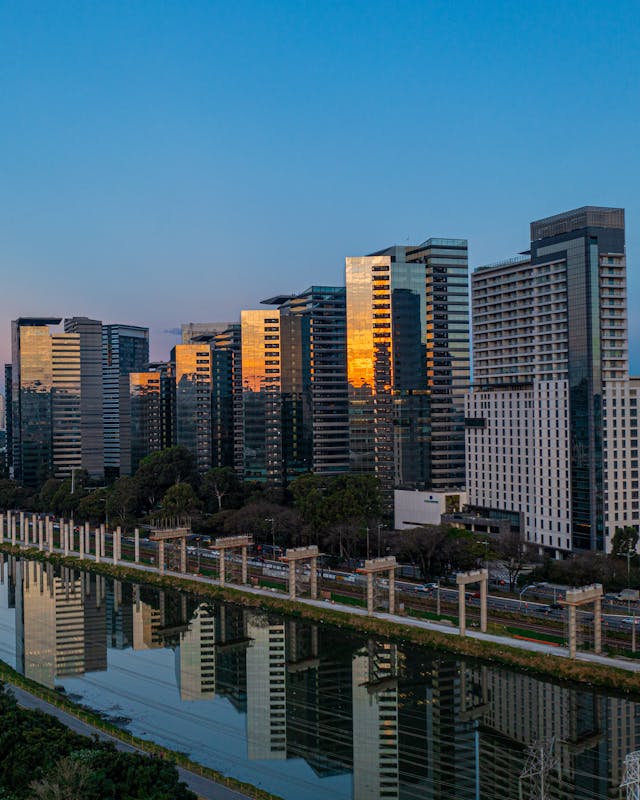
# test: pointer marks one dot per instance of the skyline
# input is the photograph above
(181, 164)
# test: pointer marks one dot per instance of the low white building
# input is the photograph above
(414, 507)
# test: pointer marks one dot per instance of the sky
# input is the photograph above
(164, 162)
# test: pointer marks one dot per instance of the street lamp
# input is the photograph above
(367, 541)
(528, 586)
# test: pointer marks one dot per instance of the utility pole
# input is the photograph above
(535, 776)
(631, 777)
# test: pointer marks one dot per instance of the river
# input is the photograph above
(305, 710)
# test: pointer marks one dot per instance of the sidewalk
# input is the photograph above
(630, 665)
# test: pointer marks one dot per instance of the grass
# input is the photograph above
(614, 679)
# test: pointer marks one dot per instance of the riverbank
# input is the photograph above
(614, 674)
(202, 780)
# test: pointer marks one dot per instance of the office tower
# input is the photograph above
(552, 421)
(125, 349)
(50, 370)
(150, 412)
(191, 369)
(8, 393)
(225, 453)
(275, 433)
(408, 363)
(323, 354)
(3, 414)
(193, 331)
(91, 394)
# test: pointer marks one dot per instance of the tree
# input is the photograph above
(624, 543)
(161, 470)
(13, 495)
(513, 553)
(69, 779)
(93, 506)
(122, 499)
(219, 482)
(326, 501)
(180, 500)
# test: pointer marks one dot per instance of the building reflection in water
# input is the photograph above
(397, 722)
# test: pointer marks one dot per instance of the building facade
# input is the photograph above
(125, 349)
(150, 412)
(408, 363)
(53, 379)
(551, 436)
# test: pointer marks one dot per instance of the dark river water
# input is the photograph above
(305, 710)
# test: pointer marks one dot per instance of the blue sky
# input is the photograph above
(163, 162)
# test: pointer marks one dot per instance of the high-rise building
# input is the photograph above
(323, 355)
(552, 425)
(150, 412)
(91, 393)
(276, 431)
(52, 381)
(408, 363)
(125, 349)
(191, 370)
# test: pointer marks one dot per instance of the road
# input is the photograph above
(204, 787)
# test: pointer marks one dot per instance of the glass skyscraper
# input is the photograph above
(408, 363)
(125, 349)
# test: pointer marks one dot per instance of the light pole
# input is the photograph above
(379, 529)
(528, 586)
(367, 541)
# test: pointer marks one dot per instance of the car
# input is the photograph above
(426, 587)
(631, 620)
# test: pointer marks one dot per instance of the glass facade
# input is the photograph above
(276, 426)
(51, 379)
(149, 432)
(125, 349)
(191, 368)
(408, 363)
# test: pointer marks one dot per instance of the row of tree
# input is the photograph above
(41, 759)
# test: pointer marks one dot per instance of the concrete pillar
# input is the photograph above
(118, 542)
(98, 549)
(23, 534)
(244, 565)
(81, 542)
(221, 565)
(136, 546)
(597, 625)
(64, 533)
(161, 555)
(483, 605)
(1, 528)
(13, 528)
(102, 541)
(313, 580)
(72, 535)
(292, 580)
(369, 593)
(34, 529)
(572, 631)
(392, 591)
(183, 554)
(50, 534)
(115, 544)
(87, 538)
(462, 610)
(40, 534)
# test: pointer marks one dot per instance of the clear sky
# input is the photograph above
(164, 162)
